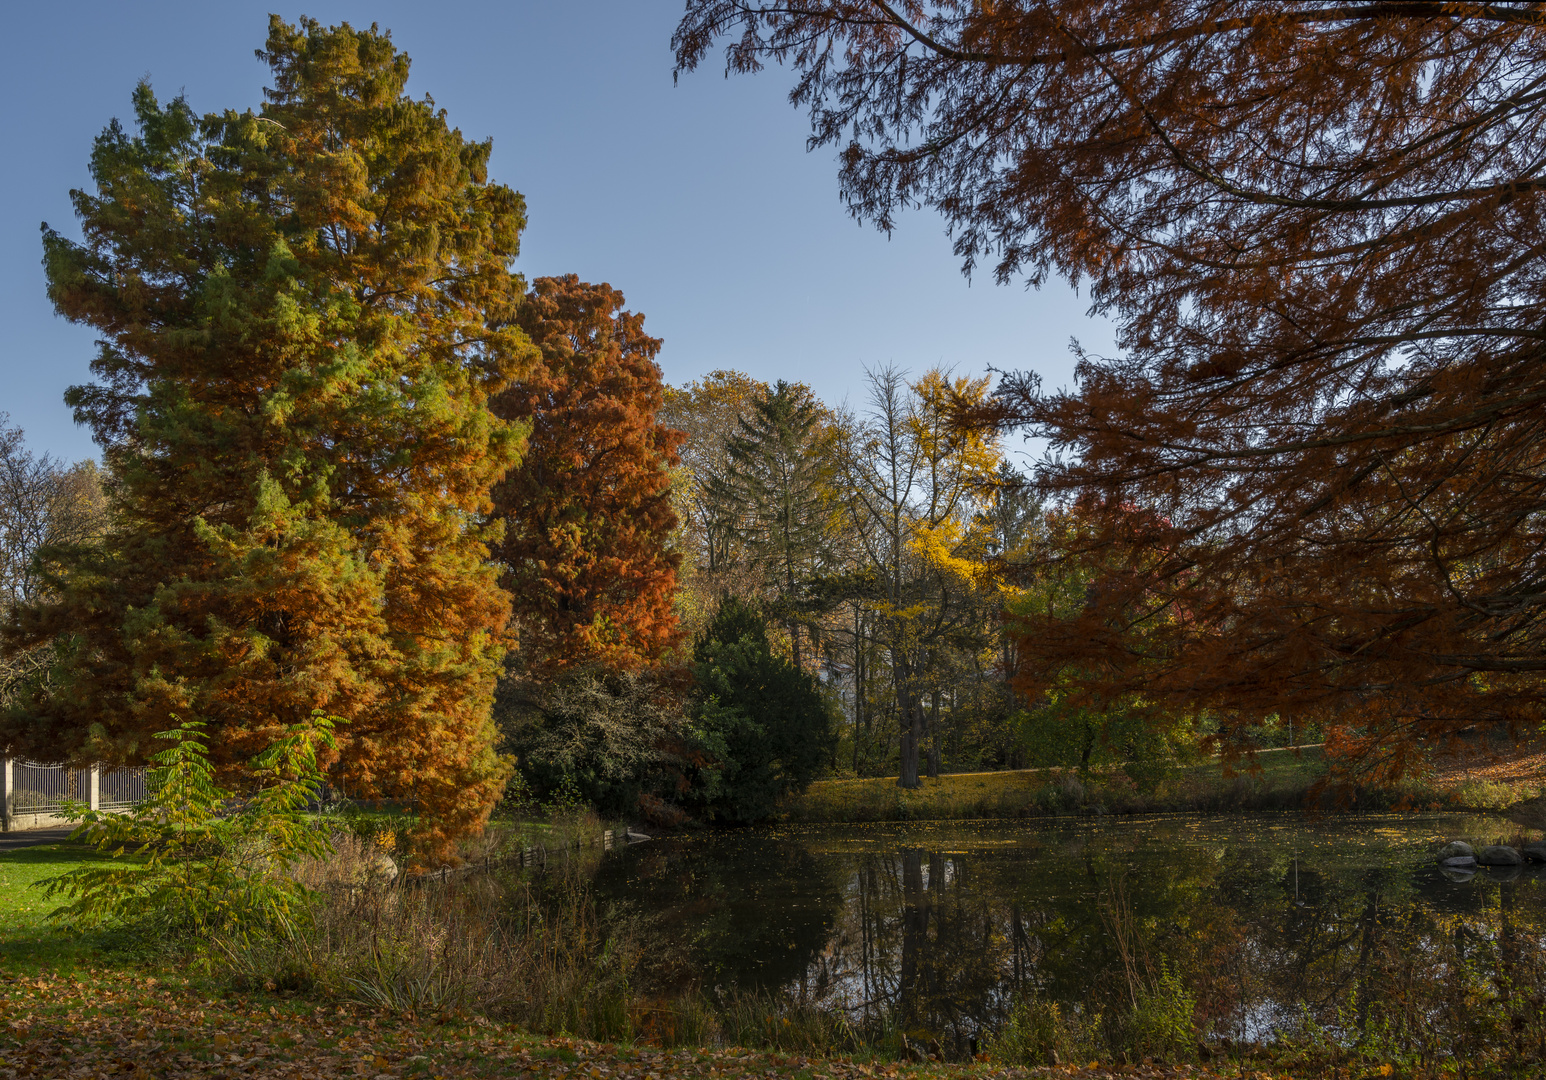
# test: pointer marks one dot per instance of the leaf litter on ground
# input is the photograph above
(114, 1024)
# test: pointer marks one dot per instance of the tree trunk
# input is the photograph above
(908, 771)
(934, 738)
(911, 709)
(910, 719)
(861, 725)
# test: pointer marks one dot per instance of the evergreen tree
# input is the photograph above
(775, 477)
(588, 516)
(762, 720)
(303, 312)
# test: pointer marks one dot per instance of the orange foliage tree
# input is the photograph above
(1319, 229)
(304, 312)
(588, 516)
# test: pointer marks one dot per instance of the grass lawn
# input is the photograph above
(29, 941)
(1480, 779)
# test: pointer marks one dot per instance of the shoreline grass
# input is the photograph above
(140, 1025)
(1270, 780)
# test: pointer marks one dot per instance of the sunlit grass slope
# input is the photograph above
(1271, 780)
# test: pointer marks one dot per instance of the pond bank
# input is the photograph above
(1277, 779)
(931, 895)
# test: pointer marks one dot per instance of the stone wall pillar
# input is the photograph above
(94, 788)
(7, 792)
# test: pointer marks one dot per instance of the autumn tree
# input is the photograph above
(1318, 228)
(588, 516)
(913, 481)
(303, 311)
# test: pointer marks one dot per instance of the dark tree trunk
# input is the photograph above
(915, 929)
(912, 739)
(935, 737)
(911, 717)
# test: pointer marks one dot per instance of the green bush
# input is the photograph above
(1040, 1032)
(1161, 1025)
(203, 859)
(593, 736)
(761, 727)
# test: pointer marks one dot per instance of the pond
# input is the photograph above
(1269, 926)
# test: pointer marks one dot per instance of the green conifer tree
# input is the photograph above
(774, 482)
(304, 312)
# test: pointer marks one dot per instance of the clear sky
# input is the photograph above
(698, 200)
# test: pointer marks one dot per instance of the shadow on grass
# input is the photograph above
(51, 854)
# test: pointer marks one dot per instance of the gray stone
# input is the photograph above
(383, 868)
(1498, 855)
(1535, 852)
(1461, 862)
(1459, 875)
(1456, 849)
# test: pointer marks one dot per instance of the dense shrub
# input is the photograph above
(761, 727)
(595, 735)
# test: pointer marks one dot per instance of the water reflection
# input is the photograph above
(942, 930)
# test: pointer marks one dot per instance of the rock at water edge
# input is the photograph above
(1498, 855)
(1456, 849)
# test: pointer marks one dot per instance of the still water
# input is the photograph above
(1267, 920)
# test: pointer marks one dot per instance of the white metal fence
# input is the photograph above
(33, 794)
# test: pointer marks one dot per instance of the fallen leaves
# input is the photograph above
(114, 1024)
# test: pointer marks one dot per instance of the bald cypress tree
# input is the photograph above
(303, 313)
(587, 516)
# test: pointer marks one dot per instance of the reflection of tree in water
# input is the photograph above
(941, 943)
(731, 913)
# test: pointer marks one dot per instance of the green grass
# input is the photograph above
(29, 940)
(1274, 779)
(1280, 779)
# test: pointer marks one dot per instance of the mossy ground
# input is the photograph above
(1274, 779)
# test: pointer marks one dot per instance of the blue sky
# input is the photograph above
(698, 201)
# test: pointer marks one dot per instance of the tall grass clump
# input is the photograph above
(1042, 1032)
(528, 948)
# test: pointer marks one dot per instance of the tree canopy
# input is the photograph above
(588, 515)
(1314, 474)
(774, 490)
(304, 311)
(760, 724)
